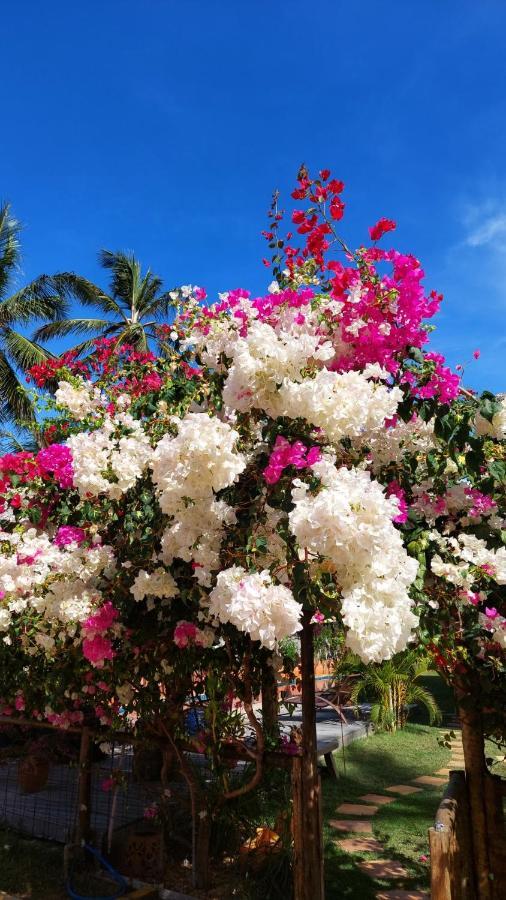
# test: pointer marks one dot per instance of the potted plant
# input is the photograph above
(33, 766)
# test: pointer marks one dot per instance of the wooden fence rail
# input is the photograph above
(451, 839)
(450, 845)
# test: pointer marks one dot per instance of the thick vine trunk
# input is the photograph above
(270, 720)
(487, 820)
(307, 820)
(200, 848)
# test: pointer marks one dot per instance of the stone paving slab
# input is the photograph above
(360, 845)
(442, 772)
(356, 809)
(358, 825)
(403, 789)
(429, 779)
(378, 799)
(383, 868)
(403, 895)
(144, 893)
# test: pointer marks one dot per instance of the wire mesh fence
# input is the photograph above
(49, 809)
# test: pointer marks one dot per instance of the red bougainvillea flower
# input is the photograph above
(337, 208)
(382, 226)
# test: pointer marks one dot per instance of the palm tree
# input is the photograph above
(131, 310)
(38, 300)
(393, 687)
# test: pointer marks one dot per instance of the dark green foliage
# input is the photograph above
(38, 300)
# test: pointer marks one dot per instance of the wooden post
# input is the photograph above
(450, 845)
(307, 820)
(439, 845)
(270, 706)
(84, 789)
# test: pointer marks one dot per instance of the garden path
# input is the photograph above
(360, 836)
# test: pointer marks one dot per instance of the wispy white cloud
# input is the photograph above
(491, 228)
(484, 220)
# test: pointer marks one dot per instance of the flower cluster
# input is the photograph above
(107, 462)
(188, 469)
(348, 523)
(295, 452)
(285, 454)
(267, 612)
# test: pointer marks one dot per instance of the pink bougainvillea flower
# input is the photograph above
(57, 460)
(285, 454)
(184, 633)
(102, 619)
(395, 490)
(69, 534)
(97, 649)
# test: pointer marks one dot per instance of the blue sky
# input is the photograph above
(162, 126)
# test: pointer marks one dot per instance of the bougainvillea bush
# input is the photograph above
(302, 450)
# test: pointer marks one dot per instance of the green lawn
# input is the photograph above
(372, 765)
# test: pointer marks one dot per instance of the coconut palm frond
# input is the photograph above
(15, 400)
(9, 247)
(16, 440)
(161, 307)
(126, 276)
(22, 351)
(38, 300)
(75, 287)
(64, 327)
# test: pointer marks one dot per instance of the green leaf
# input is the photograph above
(489, 407)
(497, 469)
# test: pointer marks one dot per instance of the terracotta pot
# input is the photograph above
(33, 773)
(144, 855)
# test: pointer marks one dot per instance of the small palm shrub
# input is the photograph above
(392, 686)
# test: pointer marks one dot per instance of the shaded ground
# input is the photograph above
(30, 868)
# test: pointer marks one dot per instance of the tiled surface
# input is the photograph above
(358, 825)
(360, 845)
(429, 780)
(378, 799)
(403, 895)
(356, 809)
(383, 868)
(403, 789)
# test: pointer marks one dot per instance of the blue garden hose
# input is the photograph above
(120, 881)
